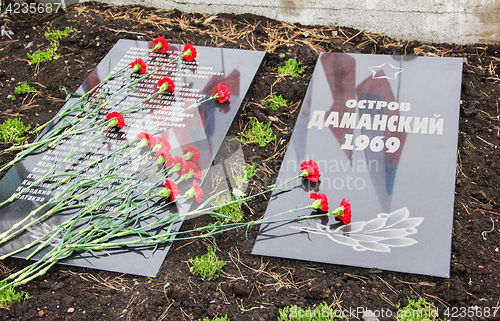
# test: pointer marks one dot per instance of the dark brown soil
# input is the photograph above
(254, 288)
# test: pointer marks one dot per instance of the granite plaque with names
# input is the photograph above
(383, 131)
(170, 115)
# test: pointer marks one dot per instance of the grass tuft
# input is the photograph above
(208, 266)
(260, 133)
(420, 310)
(12, 131)
(321, 312)
(24, 88)
(232, 210)
(276, 102)
(291, 68)
(55, 35)
(224, 318)
(8, 295)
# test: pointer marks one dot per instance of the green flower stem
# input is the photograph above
(53, 233)
(46, 176)
(195, 104)
(127, 86)
(167, 237)
(202, 209)
(26, 271)
(67, 111)
(68, 132)
(53, 136)
(42, 245)
(199, 101)
(94, 163)
(70, 109)
(238, 225)
(113, 231)
(49, 139)
(37, 268)
(17, 229)
(89, 228)
(141, 102)
(4, 236)
(65, 125)
(46, 267)
(68, 226)
(96, 204)
(137, 231)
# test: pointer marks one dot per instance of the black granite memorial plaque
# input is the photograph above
(171, 115)
(383, 131)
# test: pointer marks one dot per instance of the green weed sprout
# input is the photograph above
(9, 295)
(276, 102)
(232, 209)
(250, 171)
(207, 266)
(416, 311)
(55, 35)
(224, 318)
(244, 178)
(291, 68)
(321, 313)
(240, 180)
(260, 133)
(24, 88)
(41, 56)
(12, 131)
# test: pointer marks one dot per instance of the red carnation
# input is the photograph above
(158, 142)
(346, 218)
(310, 170)
(191, 153)
(176, 160)
(198, 190)
(144, 135)
(189, 52)
(116, 119)
(138, 66)
(162, 156)
(145, 140)
(161, 45)
(170, 190)
(195, 190)
(343, 212)
(176, 163)
(222, 94)
(166, 84)
(321, 202)
(190, 170)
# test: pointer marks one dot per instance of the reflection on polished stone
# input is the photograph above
(383, 130)
(170, 115)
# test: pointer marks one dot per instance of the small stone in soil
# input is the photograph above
(458, 269)
(240, 291)
(486, 207)
(480, 195)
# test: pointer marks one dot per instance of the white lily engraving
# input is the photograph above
(379, 234)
